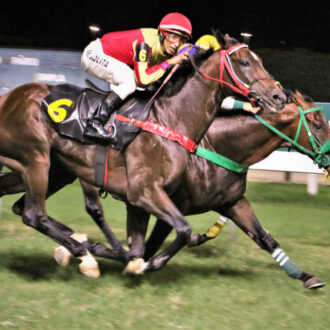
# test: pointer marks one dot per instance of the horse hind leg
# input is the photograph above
(95, 210)
(11, 183)
(34, 215)
(243, 215)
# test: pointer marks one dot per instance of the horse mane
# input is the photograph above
(292, 96)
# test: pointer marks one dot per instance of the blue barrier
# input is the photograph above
(19, 66)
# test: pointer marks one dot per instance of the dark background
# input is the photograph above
(64, 24)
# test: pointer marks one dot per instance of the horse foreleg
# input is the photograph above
(154, 200)
(158, 235)
(243, 215)
(162, 230)
(211, 233)
(136, 227)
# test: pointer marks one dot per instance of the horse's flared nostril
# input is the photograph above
(279, 99)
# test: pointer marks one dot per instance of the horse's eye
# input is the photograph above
(318, 126)
(245, 63)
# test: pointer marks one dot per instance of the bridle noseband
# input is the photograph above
(239, 86)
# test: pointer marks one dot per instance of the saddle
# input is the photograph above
(67, 108)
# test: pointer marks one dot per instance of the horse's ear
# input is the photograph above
(289, 95)
(298, 93)
(220, 37)
(229, 41)
(225, 40)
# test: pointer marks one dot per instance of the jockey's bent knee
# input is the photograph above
(126, 88)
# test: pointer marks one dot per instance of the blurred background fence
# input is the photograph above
(19, 66)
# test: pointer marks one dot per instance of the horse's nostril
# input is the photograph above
(276, 98)
(279, 99)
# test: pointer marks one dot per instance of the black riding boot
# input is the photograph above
(94, 128)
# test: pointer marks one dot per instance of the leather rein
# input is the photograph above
(238, 85)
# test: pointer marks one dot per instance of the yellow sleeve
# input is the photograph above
(208, 41)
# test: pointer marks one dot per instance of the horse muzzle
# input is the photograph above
(271, 101)
(279, 99)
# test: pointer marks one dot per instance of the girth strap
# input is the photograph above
(101, 169)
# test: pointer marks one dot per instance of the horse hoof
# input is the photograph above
(90, 270)
(79, 237)
(313, 283)
(135, 267)
(62, 256)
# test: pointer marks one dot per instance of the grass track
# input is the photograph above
(224, 284)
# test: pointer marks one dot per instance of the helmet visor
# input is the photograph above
(175, 36)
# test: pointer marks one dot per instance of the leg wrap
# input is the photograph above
(215, 230)
(284, 261)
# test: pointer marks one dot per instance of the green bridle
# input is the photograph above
(318, 154)
(319, 151)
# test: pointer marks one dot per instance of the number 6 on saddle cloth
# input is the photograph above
(68, 107)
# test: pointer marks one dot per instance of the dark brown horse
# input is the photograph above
(207, 186)
(150, 168)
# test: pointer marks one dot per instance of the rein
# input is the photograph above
(319, 150)
(318, 153)
(240, 87)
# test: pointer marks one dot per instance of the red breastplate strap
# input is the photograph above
(160, 130)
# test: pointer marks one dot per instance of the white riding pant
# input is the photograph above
(118, 74)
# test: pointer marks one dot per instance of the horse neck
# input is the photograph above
(192, 110)
(243, 139)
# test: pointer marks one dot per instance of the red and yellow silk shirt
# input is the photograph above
(140, 49)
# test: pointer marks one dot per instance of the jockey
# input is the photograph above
(128, 59)
(206, 42)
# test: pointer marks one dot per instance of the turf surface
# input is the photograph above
(229, 283)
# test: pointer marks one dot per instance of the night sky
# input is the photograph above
(64, 24)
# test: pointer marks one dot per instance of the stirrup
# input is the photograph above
(94, 130)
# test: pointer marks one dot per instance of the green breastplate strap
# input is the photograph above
(221, 160)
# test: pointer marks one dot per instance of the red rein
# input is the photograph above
(224, 63)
